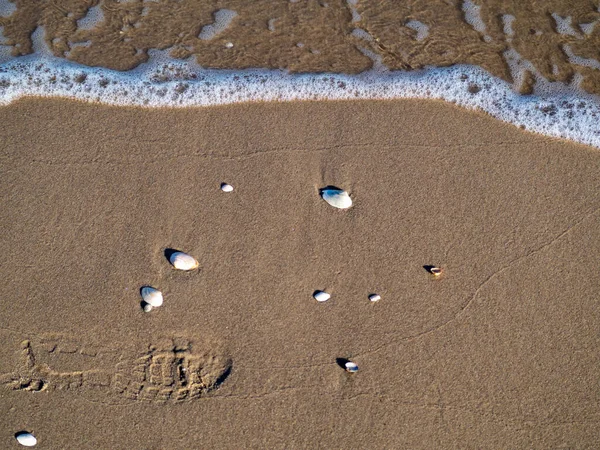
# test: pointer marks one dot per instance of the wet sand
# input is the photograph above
(500, 352)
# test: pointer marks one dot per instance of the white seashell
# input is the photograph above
(435, 271)
(147, 307)
(337, 198)
(183, 261)
(26, 439)
(351, 367)
(374, 297)
(226, 187)
(151, 296)
(321, 296)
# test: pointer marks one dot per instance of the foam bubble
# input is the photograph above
(563, 25)
(421, 29)
(579, 60)
(473, 16)
(93, 17)
(352, 5)
(587, 28)
(40, 47)
(223, 18)
(7, 8)
(507, 20)
(555, 109)
(362, 34)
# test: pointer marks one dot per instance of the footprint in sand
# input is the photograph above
(171, 372)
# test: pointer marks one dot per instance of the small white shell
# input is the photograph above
(226, 187)
(436, 271)
(321, 296)
(337, 198)
(351, 367)
(183, 261)
(26, 439)
(152, 296)
(147, 307)
(374, 297)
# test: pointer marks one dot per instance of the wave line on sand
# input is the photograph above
(559, 112)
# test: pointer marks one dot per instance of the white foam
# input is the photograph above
(271, 23)
(574, 59)
(352, 5)
(223, 18)
(507, 20)
(554, 109)
(40, 47)
(473, 17)
(7, 8)
(362, 34)
(563, 25)
(421, 29)
(3, 40)
(91, 20)
(587, 28)
(5, 54)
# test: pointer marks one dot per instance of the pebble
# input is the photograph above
(338, 198)
(321, 296)
(151, 296)
(26, 439)
(147, 307)
(351, 367)
(374, 297)
(183, 261)
(226, 187)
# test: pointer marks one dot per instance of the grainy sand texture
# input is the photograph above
(500, 351)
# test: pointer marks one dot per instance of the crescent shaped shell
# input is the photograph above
(183, 261)
(26, 439)
(321, 296)
(338, 198)
(151, 296)
(351, 367)
(374, 297)
(226, 187)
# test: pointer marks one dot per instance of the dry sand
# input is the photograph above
(501, 352)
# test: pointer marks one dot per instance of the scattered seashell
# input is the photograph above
(351, 367)
(147, 307)
(374, 297)
(336, 197)
(321, 296)
(25, 439)
(435, 271)
(229, 45)
(226, 187)
(151, 296)
(183, 261)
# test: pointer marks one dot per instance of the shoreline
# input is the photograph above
(563, 113)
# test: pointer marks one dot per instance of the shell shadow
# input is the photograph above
(328, 188)
(342, 362)
(169, 252)
(429, 268)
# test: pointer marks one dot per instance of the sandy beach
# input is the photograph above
(501, 351)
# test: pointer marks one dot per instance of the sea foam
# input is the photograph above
(555, 109)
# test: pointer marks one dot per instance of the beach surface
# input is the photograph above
(501, 351)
